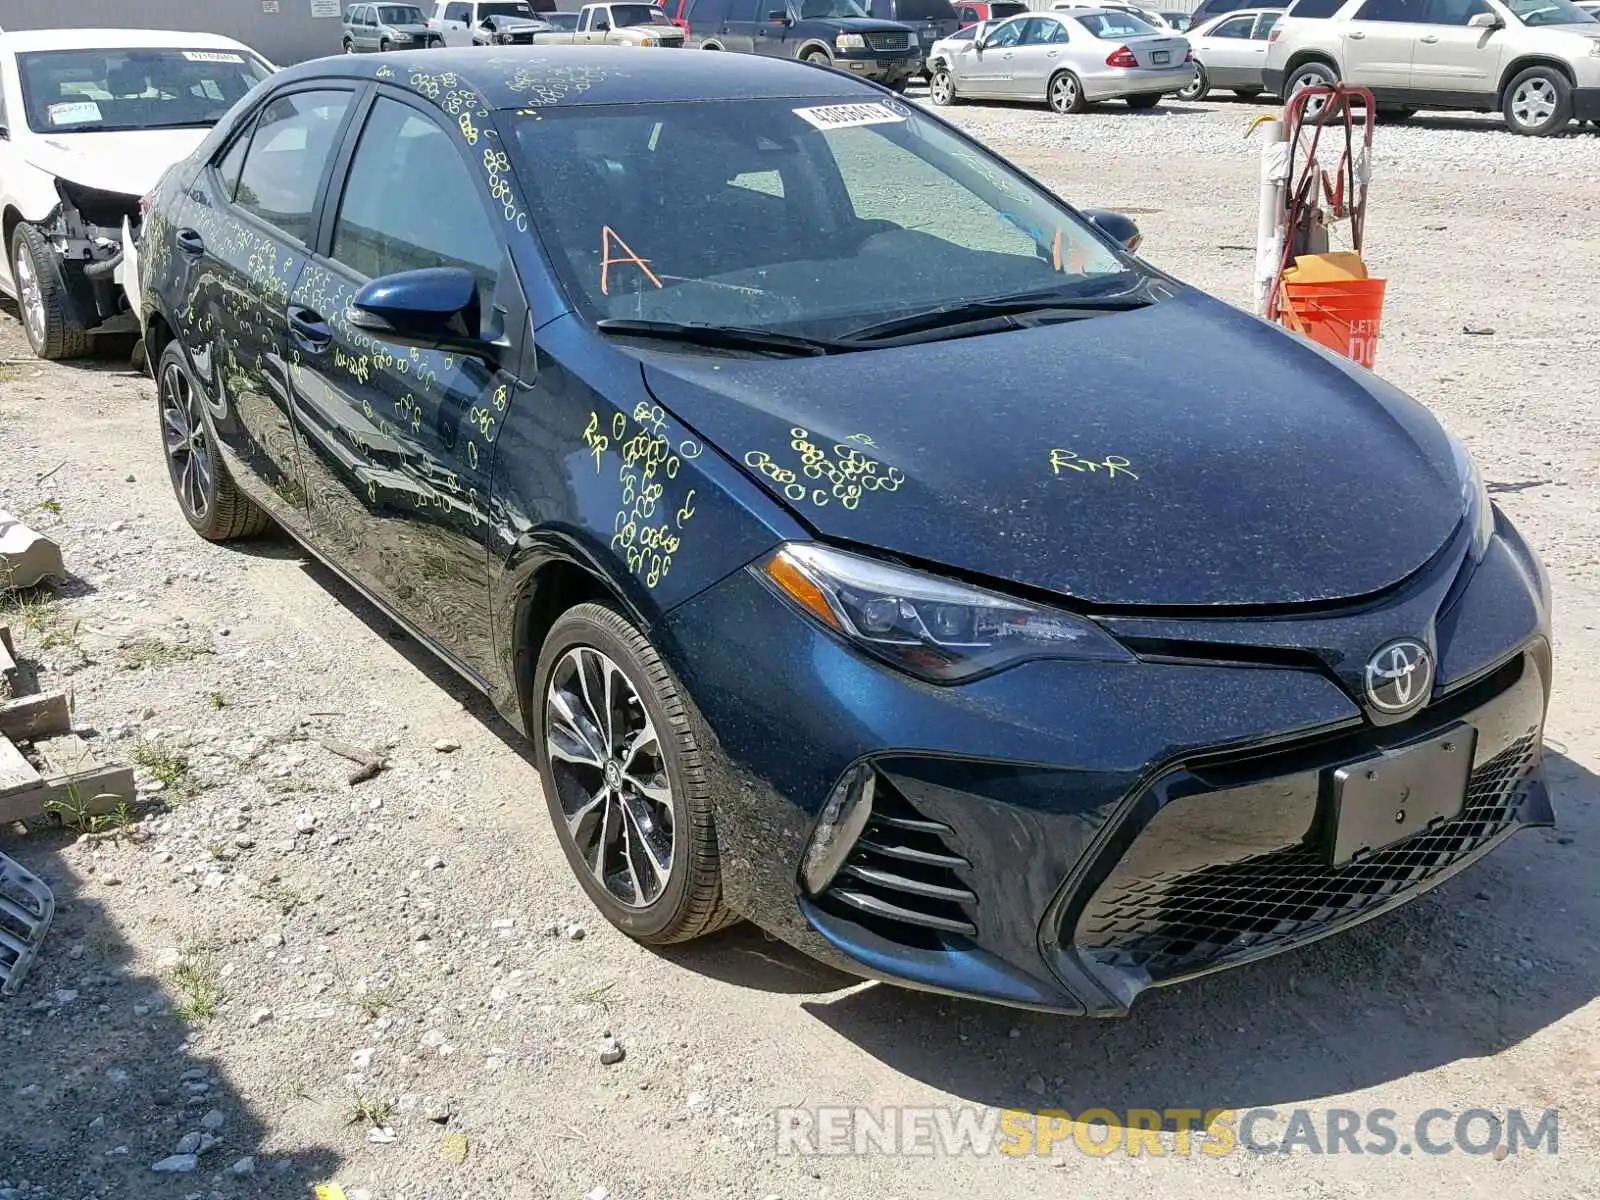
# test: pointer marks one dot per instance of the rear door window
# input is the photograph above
(283, 168)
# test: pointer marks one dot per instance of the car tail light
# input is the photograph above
(1121, 57)
(1188, 55)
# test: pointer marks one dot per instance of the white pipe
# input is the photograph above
(1270, 218)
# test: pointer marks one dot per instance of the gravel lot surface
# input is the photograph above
(282, 979)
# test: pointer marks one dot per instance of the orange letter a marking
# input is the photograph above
(626, 255)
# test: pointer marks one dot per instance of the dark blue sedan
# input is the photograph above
(868, 544)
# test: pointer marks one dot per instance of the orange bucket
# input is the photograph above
(1342, 315)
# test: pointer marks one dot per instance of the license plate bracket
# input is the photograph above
(1389, 796)
(1161, 57)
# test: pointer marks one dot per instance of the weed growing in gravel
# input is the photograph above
(218, 700)
(198, 985)
(170, 767)
(374, 1002)
(75, 813)
(38, 611)
(153, 652)
(369, 1110)
(10, 372)
(50, 505)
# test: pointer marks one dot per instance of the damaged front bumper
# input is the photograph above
(91, 231)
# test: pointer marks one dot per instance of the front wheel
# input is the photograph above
(384, 47)
(349, 46)
(1538, 102)
(942, 91)
(54, 332)
(624, 781)
(817, 58)
(1199, 87)
(211, 501)
(1066, 93)
(1310, 75)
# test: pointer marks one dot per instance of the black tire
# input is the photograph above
(1064, 93)
(1312, 74)
(211, 502)
(349, 46)
(689, 903)
(1538, 102)
(1142, 103)
(1396, 116)
(817, 57)
(1199, 88)
(942, 91)
(711, 46)
(42, 300)
(384, 47)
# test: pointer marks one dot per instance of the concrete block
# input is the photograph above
(26, 556)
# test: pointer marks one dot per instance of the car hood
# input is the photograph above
(130, 162)
(1219, 460)
(858, 24)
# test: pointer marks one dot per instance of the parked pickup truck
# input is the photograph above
(631, 24)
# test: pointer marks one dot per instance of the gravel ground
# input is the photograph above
(397, 986)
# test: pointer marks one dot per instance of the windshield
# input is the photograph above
(821, 10)
(623, 15)
(924, 10)
(1549, 12)
(811, 218)
(504, 8)
(79, 91)
(400, 14)
(1110, 24)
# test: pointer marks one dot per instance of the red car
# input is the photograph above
(995, 10)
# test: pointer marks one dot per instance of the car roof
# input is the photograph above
(570, 76)
(24, 41)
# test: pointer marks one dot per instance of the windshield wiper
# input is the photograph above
(722, 337)
(996, 313)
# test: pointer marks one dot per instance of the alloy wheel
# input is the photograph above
(1196, 87)
(31, 294)
(189, 459)
(610, 776)
(943, 89)
(1534, 102)
(1064, 93)
(1311, 79)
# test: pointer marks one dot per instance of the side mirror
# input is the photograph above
(1485, 21)
(600, 27)
(1123, 228)
(433, 309)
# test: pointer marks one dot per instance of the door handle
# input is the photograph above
(190, 242)
(1430, 39)
(1356, 35)
(309, 329)
(1052, 53)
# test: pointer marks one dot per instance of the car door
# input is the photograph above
(769, 35)
(1036, 57)
(1378, 41)
(1449, 57)
(455, 22)
(1225, 51)
(399, 441)
(243, 232)
(987, 69)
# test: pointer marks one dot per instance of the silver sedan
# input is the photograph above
(1067, 59)
(1231, 52)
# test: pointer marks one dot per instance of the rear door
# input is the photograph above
(1225, 52)
(739, 30)
(1378, 42)
(1450, 57)
(1037, 55)
(987, 71)
(399, 441)
(243, 238)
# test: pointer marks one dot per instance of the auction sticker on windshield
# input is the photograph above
(212, 56)
(844, 116)
(73, 112)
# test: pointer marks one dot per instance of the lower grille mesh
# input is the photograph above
(1167, 925)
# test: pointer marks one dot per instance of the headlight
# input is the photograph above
(936, 629)
(850, 41)
(1475, 502)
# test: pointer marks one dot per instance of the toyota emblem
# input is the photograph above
(1399, 676)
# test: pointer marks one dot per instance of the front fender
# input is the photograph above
(30, 191)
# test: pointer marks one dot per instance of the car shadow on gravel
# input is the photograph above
(1492, 957)
(745, 957)
(111, 356)
(101, 1077)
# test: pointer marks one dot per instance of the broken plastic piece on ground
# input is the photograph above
(27, 557)
(26, 908)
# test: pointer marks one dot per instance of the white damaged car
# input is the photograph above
(90, 119)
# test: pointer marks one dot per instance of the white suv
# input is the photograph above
(1535, 61)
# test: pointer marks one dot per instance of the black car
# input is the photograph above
(845, 541)
(836, 33)
(1215, 8)
(930, 20)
